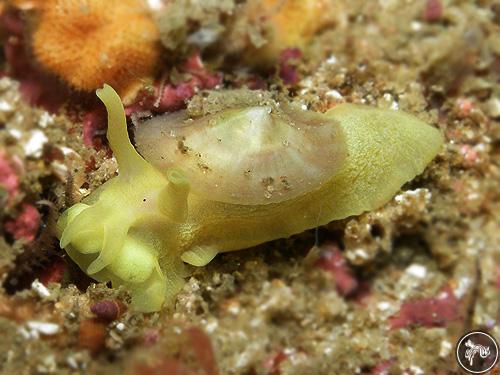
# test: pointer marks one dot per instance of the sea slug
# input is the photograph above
(231, 180)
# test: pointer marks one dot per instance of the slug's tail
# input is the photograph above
(127, 157)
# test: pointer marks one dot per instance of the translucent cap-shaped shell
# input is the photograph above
(251, 156)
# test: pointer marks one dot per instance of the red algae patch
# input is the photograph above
(9, 180)
(25, 225)
(428, 312)
(334, 263)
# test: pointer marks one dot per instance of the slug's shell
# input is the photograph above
(250, 156)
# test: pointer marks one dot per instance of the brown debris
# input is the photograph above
(91, 335)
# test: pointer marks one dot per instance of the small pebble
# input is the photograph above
(43, 328)
(40, 289)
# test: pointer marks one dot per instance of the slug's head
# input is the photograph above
(118, 231)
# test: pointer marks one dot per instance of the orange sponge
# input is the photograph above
(274, 25)
(91, 42)
(295, 22)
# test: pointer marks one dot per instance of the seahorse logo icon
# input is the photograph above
(477, 352)
(484, 351)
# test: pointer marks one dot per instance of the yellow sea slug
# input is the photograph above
(230, 180)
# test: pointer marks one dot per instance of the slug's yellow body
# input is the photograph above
(141, 227)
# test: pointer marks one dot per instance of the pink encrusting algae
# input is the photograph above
(9, 179)
(428, 312)
(25, 225)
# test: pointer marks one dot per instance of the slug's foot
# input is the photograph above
(149, 295)
(159, 290)
(151, 286)
(199, 256)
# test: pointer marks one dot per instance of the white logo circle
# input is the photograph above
(477, 352)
